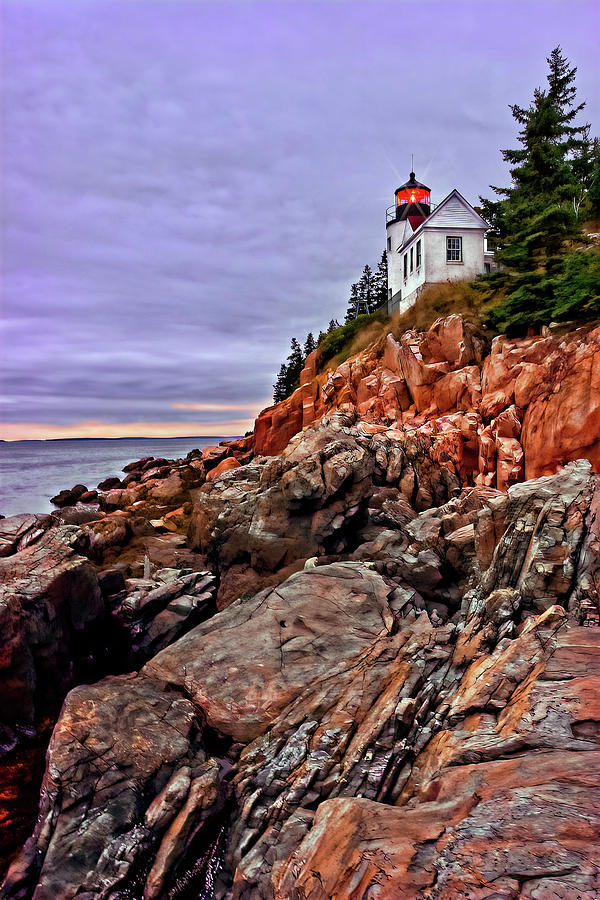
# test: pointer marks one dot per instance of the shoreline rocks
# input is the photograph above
(367, 665)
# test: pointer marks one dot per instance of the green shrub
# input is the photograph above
(342, 339)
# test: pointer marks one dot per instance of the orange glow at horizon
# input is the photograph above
(37, 431)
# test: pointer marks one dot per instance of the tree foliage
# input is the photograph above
(309, 344)
(361, 295)
(289, 373)
(369, 293)
(380, 283)
(539, 215)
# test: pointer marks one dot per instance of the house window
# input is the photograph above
(389, 243)
(488, 268)
(418, 254)
(453, 249)
(405, 267)
(411, 258)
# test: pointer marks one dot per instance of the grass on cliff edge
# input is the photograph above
(347, 340)
(473, 300)
(573, 301)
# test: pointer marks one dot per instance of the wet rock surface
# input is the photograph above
(366, 667)
(363, 726)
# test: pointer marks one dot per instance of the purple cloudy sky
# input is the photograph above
(189, 184)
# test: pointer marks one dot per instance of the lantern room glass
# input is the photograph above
(412, 195)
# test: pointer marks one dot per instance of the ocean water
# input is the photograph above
(31, 472)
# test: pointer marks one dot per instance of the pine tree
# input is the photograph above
(333, 325)
(310, 344)
(537, 214)
(492, 212)
(280, 386)
(366, 291)
(295, 364)
(322, 335)
(352, 303)
(380, 283)
(289, 373)
(586, 166)
(562, 90)
(593, 191)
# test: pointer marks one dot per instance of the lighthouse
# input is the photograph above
(429, 246)
(412, 205)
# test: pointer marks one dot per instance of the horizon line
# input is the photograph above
(126, 437)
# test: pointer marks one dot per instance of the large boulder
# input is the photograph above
(129, 782)
(50, 611)
(17, 532)
(118, 745)
(285, 639)
(451, 339)
(312, 501)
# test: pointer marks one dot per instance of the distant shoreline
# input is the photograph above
(183, 437)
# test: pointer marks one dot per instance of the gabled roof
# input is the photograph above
(453, 212)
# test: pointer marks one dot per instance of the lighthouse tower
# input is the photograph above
(412, 205)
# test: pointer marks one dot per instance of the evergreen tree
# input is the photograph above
(586, 166)
(538, 213)
(361, 296)
(280, 386)
(380, 283)
(562, 90)
(366, 291)
(333, 324)
(310, 344)
(492, 212)
(352, 302)
(295, 364)
(289, 373)
(593, 191)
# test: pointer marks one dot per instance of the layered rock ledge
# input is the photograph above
(354, 655)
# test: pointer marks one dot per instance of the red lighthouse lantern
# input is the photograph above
(413, 201)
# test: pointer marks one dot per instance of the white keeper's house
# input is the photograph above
(429, 246)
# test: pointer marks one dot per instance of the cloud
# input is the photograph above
(189, 185)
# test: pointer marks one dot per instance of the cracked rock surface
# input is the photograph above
(367, 668)
(419, 720)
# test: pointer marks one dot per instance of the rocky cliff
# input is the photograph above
(518, 411)
(371, 670)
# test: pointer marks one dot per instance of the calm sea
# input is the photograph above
(33, 471)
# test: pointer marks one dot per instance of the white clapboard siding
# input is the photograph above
(454, 214)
